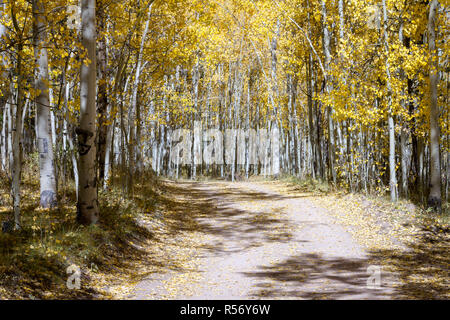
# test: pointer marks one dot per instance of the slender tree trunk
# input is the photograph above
(275, 130)
(392, 162)
(16, 136)
(328, 89)
(404, 131)
(4, 104)
(4, 142)
(434, 197)
(247, 126)
(297, 134)
(102, 95)
(312, 143)
(88, 211)
(108, 145)
(4, 100)
(154, 142)
(404, 154)
(126, 179)
(17, 151)
(196, 161)
(10, 113)
(43, 116)
(135, 154)
(112, 107)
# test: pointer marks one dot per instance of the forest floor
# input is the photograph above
(222, 240)
(278, 240)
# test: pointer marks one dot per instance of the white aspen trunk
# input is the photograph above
(434, 197)
(299, 146)
(328, 89)
(196, 123)
(17, 136)
(17, 153)
(208, 124)
(17, 146)
(108, 146)
(73, 158)
(102, 89)
(228, 124)
(168, 148)
(298, 138)
(256, 124)
(404, 153)
(4, 133)
(248, 145)
(88, 212)
(219, 120)
(275, 130)
(311, 139)
(275, 149)
(197, 154)
(341, 38)
(136, 154)
(236, 137)
(24, 114)
(162, 151)
(125, 178)
(53, 119)
(10, 135)
(111, 130)
(404, 130)
(4, 142)
(154, 143)
(290, 161)
(350, 158)
(290, 135)
(267, 168)
(392, 163)
(70, 137)
(116, 141)
(44, 131)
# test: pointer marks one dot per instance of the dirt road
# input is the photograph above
(253, 242)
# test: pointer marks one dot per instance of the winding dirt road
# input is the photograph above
(254, 242)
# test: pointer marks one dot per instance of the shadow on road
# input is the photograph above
(308, 276)
(421, 269)
(201, 209)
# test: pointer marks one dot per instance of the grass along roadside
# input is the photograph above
(34, 260)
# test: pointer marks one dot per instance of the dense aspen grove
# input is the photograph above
(356, 90)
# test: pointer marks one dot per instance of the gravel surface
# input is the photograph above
(256, 242)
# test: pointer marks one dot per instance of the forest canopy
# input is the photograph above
(355, 91)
